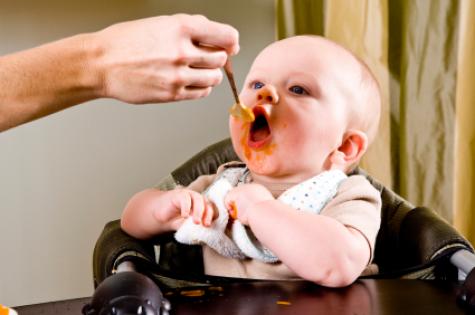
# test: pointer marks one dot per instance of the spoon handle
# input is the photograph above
(228, 69)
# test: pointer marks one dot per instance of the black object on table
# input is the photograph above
(283, 297)
(127, 293)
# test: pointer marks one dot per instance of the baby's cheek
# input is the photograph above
(235, 123)
(236, 128)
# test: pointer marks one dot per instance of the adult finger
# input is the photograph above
(191, 93)
(212, 33)
(207, 57)
(202, 77)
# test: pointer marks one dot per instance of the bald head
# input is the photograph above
(369, 102)
(364, 99)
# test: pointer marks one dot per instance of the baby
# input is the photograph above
(317, 109)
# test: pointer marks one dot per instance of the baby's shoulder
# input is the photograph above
(356, 180)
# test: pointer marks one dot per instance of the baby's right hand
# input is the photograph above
(152, 212)
(190, 203)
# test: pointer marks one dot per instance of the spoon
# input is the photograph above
(238, 109)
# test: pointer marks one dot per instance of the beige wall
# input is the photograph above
(63, 177)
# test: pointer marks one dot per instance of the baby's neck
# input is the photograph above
(275, 185)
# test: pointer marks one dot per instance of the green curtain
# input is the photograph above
(412, 47)
(309, 13)
(464, 191)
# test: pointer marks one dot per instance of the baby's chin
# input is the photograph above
(277, 174)
(267, 169)
(259, 165)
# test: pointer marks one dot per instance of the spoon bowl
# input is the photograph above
(238, 110)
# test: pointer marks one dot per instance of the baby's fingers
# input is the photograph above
(210, 213)
(198, 207)
(195, 205)
(185, 203)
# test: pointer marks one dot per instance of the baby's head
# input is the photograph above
(317, 108)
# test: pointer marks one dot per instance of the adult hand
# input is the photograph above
(165, 58)
(159, 59)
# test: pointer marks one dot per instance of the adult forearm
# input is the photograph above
(153, 60)
(47, 79)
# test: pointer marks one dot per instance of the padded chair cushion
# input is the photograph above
(205, 162)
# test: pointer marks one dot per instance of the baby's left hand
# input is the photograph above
(240, 200)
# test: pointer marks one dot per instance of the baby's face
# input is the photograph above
(298, 90)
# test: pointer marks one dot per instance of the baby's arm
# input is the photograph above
(152, 211)
(316, 247)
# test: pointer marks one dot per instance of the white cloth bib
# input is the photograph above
(311, 196)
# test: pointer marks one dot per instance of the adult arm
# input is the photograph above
(158, 59)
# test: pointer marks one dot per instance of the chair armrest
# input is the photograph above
(114, 246)
(424, 236)
(112, 243)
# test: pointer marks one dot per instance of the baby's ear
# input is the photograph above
(351, 150)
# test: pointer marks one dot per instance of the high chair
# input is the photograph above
(413, 243)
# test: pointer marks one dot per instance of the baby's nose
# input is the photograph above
(267, 94)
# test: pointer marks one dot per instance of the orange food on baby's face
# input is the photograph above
(246, 150)
(255, 153)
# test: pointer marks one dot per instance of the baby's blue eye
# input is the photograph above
(297, 90)
(257, 85)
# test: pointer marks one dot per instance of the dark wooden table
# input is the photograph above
(379, 297)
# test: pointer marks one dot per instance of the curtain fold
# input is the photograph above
(464, 186)
(426, 107)
(364, 33)
(412, 47)
(299, 17)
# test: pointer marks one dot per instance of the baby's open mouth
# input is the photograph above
(260, 132)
